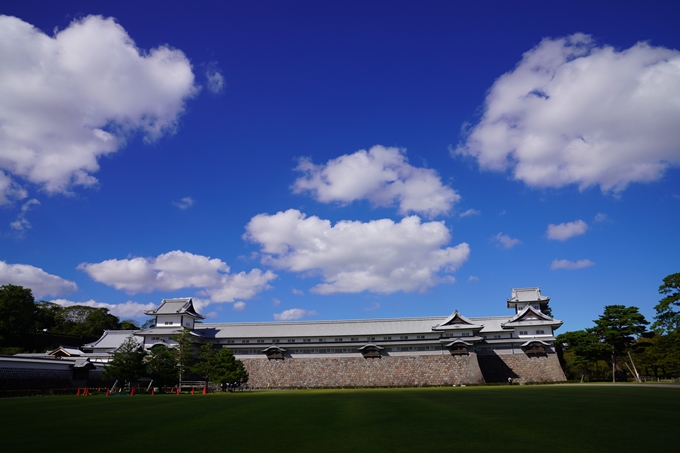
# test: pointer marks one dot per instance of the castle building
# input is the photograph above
(440, 350)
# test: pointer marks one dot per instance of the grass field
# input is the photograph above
(523, 419)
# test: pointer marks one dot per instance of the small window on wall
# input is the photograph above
(306, 340)
(403, 337)
(466, 334)
(245, 341)
(524, 332)
(540, 332)
(291, 340)
(168, 323)
(354, 339)
(230, 341)
(387, 338)
(497, 336)
(338, 339)
(420, 337)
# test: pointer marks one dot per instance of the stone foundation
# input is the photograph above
(402, 371)
(521, 368)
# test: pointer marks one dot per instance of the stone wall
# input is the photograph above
(521, 368)
(387, 371)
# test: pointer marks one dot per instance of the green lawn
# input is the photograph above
(524, 419)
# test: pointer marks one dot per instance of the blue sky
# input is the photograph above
(318, 160)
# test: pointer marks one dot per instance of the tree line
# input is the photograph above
(21, 317)
(620, 346)
(166, 366)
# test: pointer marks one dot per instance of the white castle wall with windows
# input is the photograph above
(474, 349)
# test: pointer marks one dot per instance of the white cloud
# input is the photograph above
(600, 217)
(184, 203)
(505, 241)
(215, 80)
(127, 309)
(40, 282)
(10, 190)
(564, 231)
(293, 314)
(275, 302)
(573, 112)
(298, 292)
(378, 256)
(176, 270)
(472, 279)
(21, 223)
(380, 175)
(570, 265)
(69, 99)
(469, 212)
(239, 306)
(374, 306)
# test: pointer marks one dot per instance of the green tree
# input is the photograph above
(46, 315)
(205, 365)
(583, 349)
(128, 324)
(667, 319)
(618, 327)
(127, 363)
(86, 321)
(17, 315)
(161, 365)
(228, 369)
(186, 351)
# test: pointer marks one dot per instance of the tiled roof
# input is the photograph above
(112, 339)
(184, 306)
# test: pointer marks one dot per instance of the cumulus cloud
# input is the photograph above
(10, 190)
(574, 112)
(472, 279)
(239, 306)
(298, 292)
(564, 231)
(184, 203)
(69, 99)
(380, 175)
(378, 256)
(469, 212)
(570, 265)
(176, 270)
(276, 302)
(600, 217)
(293, 314)
(215, 79)
(127, 309)
(40, 282)
(505, 241)
(21, 223)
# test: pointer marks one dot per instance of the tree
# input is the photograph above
(619, 326)
(667, 319)
(228, 369)
(185, 354)
(17, 315)
(85, 321)
(585, 349)
(128, 324)
(127, 363)
(161, 365)
(46, 315)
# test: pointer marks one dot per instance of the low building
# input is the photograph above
(444, 350)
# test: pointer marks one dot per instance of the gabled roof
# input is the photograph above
(67, 351)
(533, 341)
(370, 346)
(520, 295)
(457, 321)
(273, 348)
(112, 339)
(529, 316)
(457, 342)
(183, 306)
